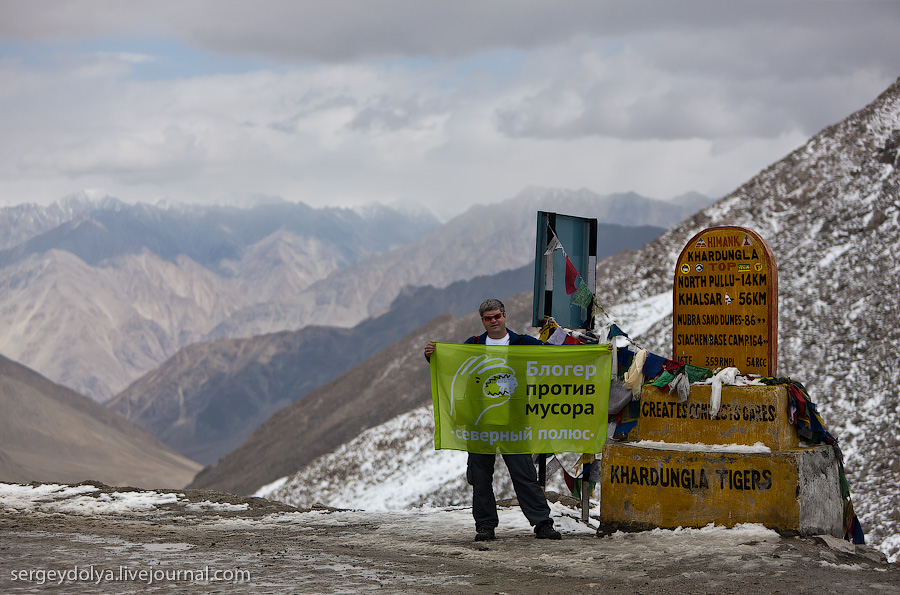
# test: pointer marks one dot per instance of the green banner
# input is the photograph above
(520, 399)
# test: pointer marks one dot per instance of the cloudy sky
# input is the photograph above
(445, 104)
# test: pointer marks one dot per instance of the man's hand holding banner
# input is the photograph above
(520, 399)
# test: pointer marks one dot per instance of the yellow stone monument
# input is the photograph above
(685, 467)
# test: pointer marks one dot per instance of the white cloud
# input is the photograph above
(346, 104)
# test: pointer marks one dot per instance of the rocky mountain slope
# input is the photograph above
(94, 293)
(484, 240)
(830, 211)
(50, 433)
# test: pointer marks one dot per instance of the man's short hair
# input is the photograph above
(491, 304)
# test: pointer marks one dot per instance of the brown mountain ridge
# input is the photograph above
(50, 433)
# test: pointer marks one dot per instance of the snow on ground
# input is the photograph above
(50, 498)
(24, 496)
(214, 506)
(148, 541)
(88, 500)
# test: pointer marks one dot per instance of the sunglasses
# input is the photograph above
(492, 317)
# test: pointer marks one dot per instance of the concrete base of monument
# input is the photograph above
(747, 415)
(793, 491)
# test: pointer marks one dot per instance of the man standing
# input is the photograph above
(480, 468)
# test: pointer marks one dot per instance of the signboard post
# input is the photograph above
(577, 236)
(726, 302)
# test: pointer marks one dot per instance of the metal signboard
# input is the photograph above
(577, 240)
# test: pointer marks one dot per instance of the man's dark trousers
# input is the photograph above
(480, 475)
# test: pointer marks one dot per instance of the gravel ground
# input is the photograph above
(96, 539)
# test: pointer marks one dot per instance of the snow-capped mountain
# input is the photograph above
(484, 240)
(830, 211)
(23, 222)
(95, 292)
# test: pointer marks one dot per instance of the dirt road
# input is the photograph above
(111, 540)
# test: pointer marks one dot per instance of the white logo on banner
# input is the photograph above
(500, 385)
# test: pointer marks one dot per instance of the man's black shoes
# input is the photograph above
(545, 530)
(485, 534)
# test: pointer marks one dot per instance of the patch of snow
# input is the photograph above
(215, 506)
(167, 547)
(842, 566)
(832, 254)
(759, 447)
(638, 317)
(266, 490)
(116, 503)
(23, 497)
(892, 543)
(72, 499)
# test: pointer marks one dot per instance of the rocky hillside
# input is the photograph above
(95, 293)
(50, 433)
(830, 211)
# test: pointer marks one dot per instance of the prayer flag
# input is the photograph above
(615, 331)
(552, 246)
(583, 296)
(553, 465)
(571, 275)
